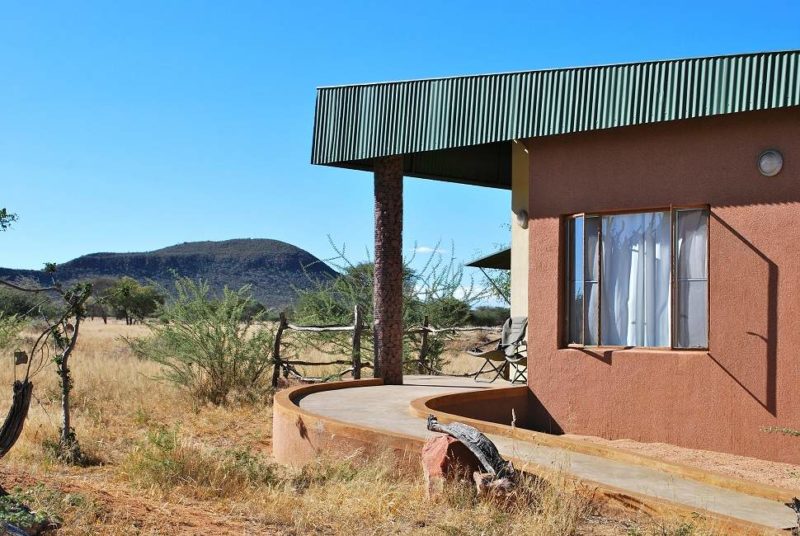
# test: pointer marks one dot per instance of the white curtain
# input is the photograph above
(591, 278)
(635, 293)
(691, 229)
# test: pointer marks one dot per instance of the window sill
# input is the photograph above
(635, 349)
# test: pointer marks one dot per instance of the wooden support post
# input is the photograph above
(276, 349)
(358, 326)
(388, 291)
(423, 349)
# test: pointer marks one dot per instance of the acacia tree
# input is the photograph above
(500, 283)
(437, 290)
(131, 300)
(55, 343)
(6, 219)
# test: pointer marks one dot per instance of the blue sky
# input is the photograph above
(128, 126)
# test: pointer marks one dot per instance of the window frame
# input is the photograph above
(673, 278)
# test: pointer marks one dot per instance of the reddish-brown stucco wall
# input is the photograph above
(749, 379)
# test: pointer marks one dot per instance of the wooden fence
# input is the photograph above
(356, 363)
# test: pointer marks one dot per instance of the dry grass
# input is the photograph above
(170, 466)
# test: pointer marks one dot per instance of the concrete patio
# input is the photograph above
(387, 408)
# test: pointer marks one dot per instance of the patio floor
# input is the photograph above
(387, 408)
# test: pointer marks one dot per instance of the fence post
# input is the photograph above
(423, 348)
(276, 349)
(358, 325)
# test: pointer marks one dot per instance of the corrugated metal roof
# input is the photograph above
(499, 260)
(354, 124)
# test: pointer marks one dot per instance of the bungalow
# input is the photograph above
(655, 213)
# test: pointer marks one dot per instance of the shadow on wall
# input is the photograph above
(757, 325)
(751, 332)
(517, 405)
(539, 419)
(601, 355)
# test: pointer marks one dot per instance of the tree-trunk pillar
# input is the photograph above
(388, 291)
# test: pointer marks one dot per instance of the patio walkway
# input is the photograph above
(387, 408)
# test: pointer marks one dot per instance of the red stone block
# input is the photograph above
(444, 457)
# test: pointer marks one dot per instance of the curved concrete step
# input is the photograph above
(387, 408)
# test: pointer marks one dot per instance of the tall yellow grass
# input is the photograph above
(167, 465)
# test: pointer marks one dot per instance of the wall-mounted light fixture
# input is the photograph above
(522, 218)
(770, 162)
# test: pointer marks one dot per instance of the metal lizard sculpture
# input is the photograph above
(477, 443)
(795, 506)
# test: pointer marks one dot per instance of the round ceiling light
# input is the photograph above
(770, 163)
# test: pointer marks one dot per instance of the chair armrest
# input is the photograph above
(480, 346)
(516, 348)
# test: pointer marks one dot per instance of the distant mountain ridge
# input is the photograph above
(273, 268)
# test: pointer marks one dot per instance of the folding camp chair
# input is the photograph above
(518, 366)
(509, 345)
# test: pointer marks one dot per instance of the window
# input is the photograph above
(638, 279)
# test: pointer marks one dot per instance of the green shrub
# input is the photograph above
(14, 512)
(40, 508)
(489, 316)
(10, 326)
(214, 347)
(25, 304)
(164, 461)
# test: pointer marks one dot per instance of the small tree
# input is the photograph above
(499, 284)
(10, 326)
(212, 346)
(97, 305)
(438, 291)
(56, 342)
(131, 300)
(6, 219)
(24, 304)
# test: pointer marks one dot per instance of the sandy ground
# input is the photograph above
(783, 475)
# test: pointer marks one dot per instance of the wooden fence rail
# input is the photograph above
(358, 329)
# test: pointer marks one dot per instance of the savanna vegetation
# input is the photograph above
(166, 462)
(169, 422)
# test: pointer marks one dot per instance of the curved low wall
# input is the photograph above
(299, 436)
(507, 406)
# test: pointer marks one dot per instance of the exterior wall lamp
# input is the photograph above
(770, 162)
(522, 218)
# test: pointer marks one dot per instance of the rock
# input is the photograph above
(444, 457)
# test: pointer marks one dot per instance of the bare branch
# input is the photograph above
(36, 289)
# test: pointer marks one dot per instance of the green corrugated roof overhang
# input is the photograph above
(499, 260)
(457, 129)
